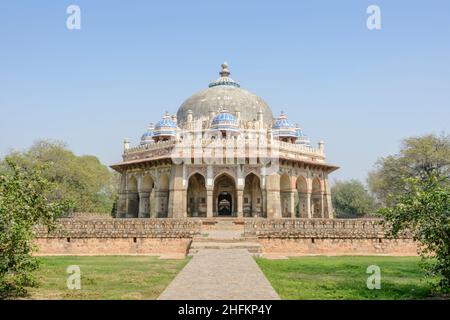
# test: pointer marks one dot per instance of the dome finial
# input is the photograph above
(225, 72)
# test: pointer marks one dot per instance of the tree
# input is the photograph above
(419, 157)
(424, 210)
(83, 179)
(351, 198)
(26, 199)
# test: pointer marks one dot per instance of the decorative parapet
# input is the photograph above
(121, 228)
(239, 146)
(317, 228)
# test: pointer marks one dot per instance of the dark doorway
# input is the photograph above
(224, 204)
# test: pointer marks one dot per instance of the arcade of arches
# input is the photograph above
(173, 193)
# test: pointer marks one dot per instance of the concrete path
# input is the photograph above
(220, 274)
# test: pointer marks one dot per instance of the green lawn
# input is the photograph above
(345, 277)
(111, 277)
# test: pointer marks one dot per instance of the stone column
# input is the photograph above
(273, 196)
(330, 212)
(209, 203)
(308, 205)
(153, 205)
(322, 207)
(240, 203)
(144, 205)
(176, 194)
(157, 205)
(292, 203)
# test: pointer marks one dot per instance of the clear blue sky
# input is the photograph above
(361, 91)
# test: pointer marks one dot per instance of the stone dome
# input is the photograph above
(225, 93)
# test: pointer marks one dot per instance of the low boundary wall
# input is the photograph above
(172, 237)
(296, 237)
(165, 237)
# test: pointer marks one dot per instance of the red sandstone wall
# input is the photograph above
(97, 236)
(337, 247)
(112, 246)
(291, 237)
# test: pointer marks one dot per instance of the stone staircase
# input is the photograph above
(225, 234)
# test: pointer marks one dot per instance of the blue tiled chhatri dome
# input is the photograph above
(302, 138)
(224, 121)
(165, 127)
(282, 128)
(147, 137)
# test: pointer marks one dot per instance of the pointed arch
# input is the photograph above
(162, 195)
(286, 196)
(132, 197)
(224, 195)
(196, 196)
(301, 206)
(252, 196)
(147, 183)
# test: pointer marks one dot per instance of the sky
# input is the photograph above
(361, 91)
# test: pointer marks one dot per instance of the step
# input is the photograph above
(252, 247)
(226, 238)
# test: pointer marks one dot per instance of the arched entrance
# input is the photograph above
(133, 198)
(224, 196)
(146, 197)
(196, 196)
(285, 196)
(163, 196)
(252, 196)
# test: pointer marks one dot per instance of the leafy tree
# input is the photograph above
(419, 157)
(26, 198)
(424, 210)
(351, 198)
(83, 179)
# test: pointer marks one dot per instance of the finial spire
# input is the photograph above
(225, 72)
(224, 79)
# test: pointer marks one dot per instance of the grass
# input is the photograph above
(110, 277)
(345, 277)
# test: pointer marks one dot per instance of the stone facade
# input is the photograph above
(226, 156)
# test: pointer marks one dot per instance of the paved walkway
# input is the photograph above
(221, 274)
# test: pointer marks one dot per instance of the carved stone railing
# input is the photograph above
(239, 147)
(122, 228)
(317, 228)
